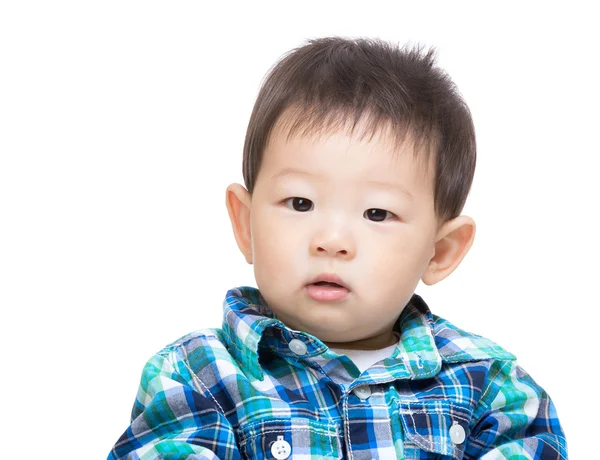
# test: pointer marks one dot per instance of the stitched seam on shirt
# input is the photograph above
(233, 345)
(463, 354)
(244, 440)
(452, 416)
(452, 411)
(251, 437)
(425, 444)
(210, 394)
(450, 407)
(347, 423)
(319, 425)
(195, 377)
(407, 362)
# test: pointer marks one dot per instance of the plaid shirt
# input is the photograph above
(257, 389)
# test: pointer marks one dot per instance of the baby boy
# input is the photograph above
(358, 159)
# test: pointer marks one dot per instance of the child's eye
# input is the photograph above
(378, 215)
(304, 205)
(300, 204)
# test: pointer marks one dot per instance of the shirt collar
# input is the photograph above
(425, 340)
(417, 346)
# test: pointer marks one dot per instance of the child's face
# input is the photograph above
(379, 256)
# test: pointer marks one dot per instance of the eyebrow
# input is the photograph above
(288, 171)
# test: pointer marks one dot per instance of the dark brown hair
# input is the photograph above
(332, 81)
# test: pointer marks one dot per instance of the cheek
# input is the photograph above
(400, 259)
(276, 247)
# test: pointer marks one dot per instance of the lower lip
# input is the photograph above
(326, 293)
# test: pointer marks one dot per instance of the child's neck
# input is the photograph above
(371, 343)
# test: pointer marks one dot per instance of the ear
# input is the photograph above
(238, 201)
(453, 241)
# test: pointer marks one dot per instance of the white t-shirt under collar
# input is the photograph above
(366, 358)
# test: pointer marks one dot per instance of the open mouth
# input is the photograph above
(326, 291)
(326, 283)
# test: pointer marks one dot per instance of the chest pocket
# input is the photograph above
(435, 427)
(290, 438)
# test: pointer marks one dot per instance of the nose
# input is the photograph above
(333, 243)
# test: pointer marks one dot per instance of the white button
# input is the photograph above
(281, 448)
(297, 346)
(457, 433)
(363, 392)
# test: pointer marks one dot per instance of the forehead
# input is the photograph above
(337, 152)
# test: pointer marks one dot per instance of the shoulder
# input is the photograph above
(457, 345)
(195, 352)
(211, 337)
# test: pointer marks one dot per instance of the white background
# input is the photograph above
(122, 123)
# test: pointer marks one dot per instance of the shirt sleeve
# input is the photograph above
(515, 419)
(175, 418)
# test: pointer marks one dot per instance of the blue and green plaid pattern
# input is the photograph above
(232, 393)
